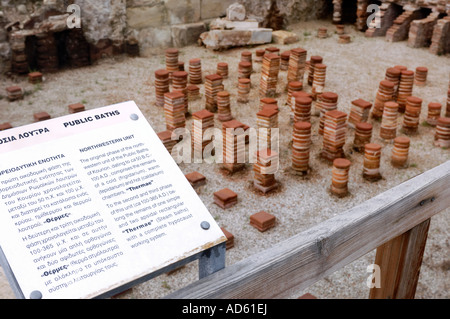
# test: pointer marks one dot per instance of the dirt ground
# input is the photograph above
(353, 71)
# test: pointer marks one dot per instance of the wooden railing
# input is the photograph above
(394, 222)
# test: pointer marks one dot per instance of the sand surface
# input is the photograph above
(353, 71)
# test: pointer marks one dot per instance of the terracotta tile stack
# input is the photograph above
(301, 144)
(196, 179)
(284, 66)
(412, 114)
(334, 135)
(302, 109)
(393, 75)
(172, 61)
(244, 70)
(14, 93)
(166, 139)
(318, 84)
(222, 69)
(75, 108)
(293, 86)
(5, 126)
(359, 112)
(315, 59)
(434, 112)
(297, 94)
(230, 238)
(388, 127)
(174, 110)
(19, 61)
(162, 86)
(47, 52)
(225, 198)
(259, 55)
(405, 88)
(372, 155)
(328, 101)
(322, 33)
(399, 157)
(264, 170)
(340, 29)
(193, 92)
(213, 85)
(344, 39)
(385, 94)
(223, 104)
(244, 86)
(35, 77)
(272, 50)
(195, 71)
(246, 56)
(339, 178)
(269, 75)
(201, 121)
(233, 146)
(297, 65)
(262, 221)
(363, 135)
(179, 83)
(268, 101)
(421, 74)
(267, 119)
(41, 116)
(442, 135)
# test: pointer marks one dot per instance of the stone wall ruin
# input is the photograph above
(34, 34)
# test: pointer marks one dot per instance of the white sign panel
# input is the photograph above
(92, 201)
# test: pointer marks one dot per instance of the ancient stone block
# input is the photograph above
(223, 39)
(236, 12)
(284, 37)
(187, 34)
(144, 17)
(183, 11)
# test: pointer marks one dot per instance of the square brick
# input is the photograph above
(230, 238)
(262, 221)
(5, 126)
(225, 198)
(196, 179)
(41, 116)
(75, 108)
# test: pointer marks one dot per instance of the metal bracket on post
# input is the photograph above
(211, 260)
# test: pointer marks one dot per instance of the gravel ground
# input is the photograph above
(354, 71)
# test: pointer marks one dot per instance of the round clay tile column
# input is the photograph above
(222, 69)
(385, 94)
(162, 86)
(412, 114)
(195, 71)
(301, 144)
(339, 179)
(442, 135)
(363, 136)
(400, 152)
(434, 113)
(405, 88)
(420, 78)
(388, 127)
(372, 156)
(244, 86)
(294, 86)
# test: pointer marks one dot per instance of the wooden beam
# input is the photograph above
(399, 260)
(305, 258)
